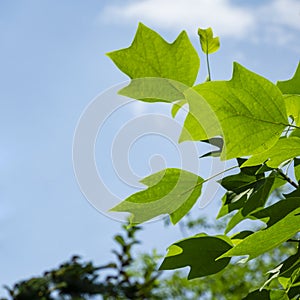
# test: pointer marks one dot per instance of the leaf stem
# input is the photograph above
(287, 178)
(294, 126)
(205, 180)
(208, 67)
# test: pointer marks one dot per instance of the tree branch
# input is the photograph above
(287, 178)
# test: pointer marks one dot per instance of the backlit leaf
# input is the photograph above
(267, 239)
(151, 56)
(292, 103)
(170, 191)
(291, 86)
(209, 44)
(283, 150)
(154, 89)
(249, 108)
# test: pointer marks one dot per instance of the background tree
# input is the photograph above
(136, 276)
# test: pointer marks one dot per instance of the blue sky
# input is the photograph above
(53, 64)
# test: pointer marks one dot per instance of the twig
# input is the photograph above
(287, 178)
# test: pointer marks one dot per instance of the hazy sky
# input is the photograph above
(53, 64)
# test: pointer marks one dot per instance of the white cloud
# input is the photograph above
(225, 18)
(278, 20)
(283, 12)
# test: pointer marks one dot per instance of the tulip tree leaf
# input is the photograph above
(170, 191)
(250, 110)
(269, 238)
(291, 86)
(151, 56)
(274, 213)
(177, 106)
(201, 122)
(255, 195)
(209, 44)
(199, 253)
(247, 190)
(284, 149)
(154, 89)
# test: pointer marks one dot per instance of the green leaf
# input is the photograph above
(283, 150)
(177, 106)
(267, 239)
(209, 44)
(297, 168)
(198, 252)
(201, 122)
(170, 191)
(291, 86)
(292, 103)
(257, 196)
(217, 142)
(151, 56)
(249, 108)
(232, 201)
(274, 213)
(154, 89)
(119, 239)
(290, 265)
(246, 193)
(267, 295)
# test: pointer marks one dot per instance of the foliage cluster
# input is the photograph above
(249, 119)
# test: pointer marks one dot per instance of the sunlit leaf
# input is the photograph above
(170, 191)
(151, 56)
(250, 111)
(292, 103)
(154, 89)
(291, 86)
(209, 44)
(267, 239)
(177, 106)
(283, 150)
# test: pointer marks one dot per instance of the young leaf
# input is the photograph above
(209, 44)
(170, 191)
(291, 86)
(249, 108)
(284, 149)
(151, 56)
(200, 253)
(267, 239)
